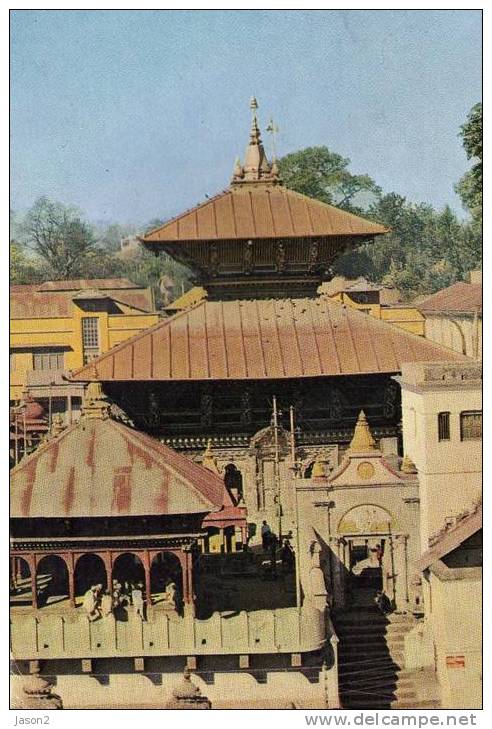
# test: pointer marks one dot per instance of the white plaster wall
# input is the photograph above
(228, 690)
(455, 619)
(450, 472)
(446, 331)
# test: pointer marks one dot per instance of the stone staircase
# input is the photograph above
(371, 663)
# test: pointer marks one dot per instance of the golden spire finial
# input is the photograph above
(95, 402)
(256, 166)
(208, 460)
(362, 442)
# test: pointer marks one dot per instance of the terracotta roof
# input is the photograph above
(452, 539)
(262, 212)
(31, 304)
(263, 339)
(87, 283)
(459, 297)
(103, 468)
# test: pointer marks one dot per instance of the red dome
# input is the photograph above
(33, 410)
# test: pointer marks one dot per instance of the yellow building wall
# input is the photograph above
(406, 317)
(67, 332)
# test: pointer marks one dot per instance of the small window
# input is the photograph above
(471, 425)
(48, 361)
(443, 426)
(90, 338)
(12, 361)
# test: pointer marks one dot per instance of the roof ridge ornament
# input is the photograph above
(256, 166)
(96, 404)
(209, 461)
(362, 441)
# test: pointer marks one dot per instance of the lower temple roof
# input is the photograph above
(101, 468)
(263, 339)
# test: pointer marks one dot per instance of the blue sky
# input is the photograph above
(132, 115)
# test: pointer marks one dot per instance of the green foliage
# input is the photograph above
(426, 249)
(59, 236)
(324, 175)
(22, 269)
(56, 243)
(469, 188)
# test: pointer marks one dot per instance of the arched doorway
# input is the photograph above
(20, 581)
(51, 580)
(165, 568)
(128, 568)
(89, 570)
(233, 480)
(367, 533)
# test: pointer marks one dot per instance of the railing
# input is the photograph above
(286, 630)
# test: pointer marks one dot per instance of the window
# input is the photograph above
(12, 361)
(48, 360)
(443, 426)
(90, 338)
(471, 425)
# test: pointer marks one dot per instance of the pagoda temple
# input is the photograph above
(260, 331)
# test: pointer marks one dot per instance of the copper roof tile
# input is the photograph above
(262, 212)
(264, 339)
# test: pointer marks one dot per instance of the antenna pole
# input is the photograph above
(277, 467)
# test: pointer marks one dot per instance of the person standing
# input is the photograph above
(138, 600)
(266, 535)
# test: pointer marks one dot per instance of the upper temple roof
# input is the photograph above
(257, 205)
(252, 212)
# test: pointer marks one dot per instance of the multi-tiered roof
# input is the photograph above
(258, 238)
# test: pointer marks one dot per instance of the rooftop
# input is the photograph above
(460, 297)
(257, 205)
(263, 339)
(100, 467)
(54, 298)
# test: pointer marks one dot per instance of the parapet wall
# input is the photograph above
(55, 636)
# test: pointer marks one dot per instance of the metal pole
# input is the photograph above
(277, 461)
(25, 434)
(49, 407)
(292, 440)
(16, 444)
(393, 576)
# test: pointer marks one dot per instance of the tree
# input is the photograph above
(59, 236)
(324, 175)
(22, 269)
(469, 188)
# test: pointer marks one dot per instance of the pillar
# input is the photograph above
(146, 564)
(187, 569)
(33, 567)
(401, 577)
(71, 578)
(107, 558)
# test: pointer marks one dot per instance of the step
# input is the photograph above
(377, 628)
(428, 704)
(378, 681)
(366, 658)
(384, 671)
(368, 642)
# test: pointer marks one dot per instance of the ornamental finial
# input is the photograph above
(362, 442)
